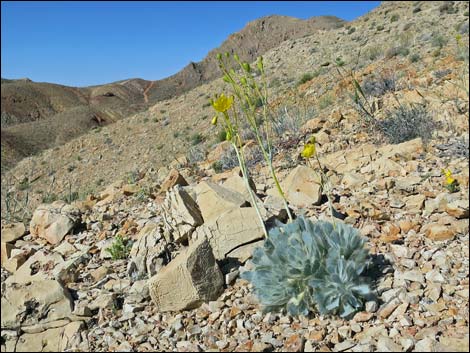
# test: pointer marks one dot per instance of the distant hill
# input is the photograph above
(36, 116)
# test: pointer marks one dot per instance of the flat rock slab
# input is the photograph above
(35, 302)
(230, 230)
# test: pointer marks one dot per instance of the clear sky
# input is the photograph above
(87, 43)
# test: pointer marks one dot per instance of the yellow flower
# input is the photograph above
(450, 180)
(228, 136)
(223, 103)
(214, 120)
(446, 172)
(309, 150)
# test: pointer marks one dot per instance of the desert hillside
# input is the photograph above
(37, 116)
(139, 232)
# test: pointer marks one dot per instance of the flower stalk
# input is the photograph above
(250, 95)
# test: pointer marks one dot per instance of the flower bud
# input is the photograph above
(246, 67)
(235, 56)
(243, 81)
(219, 56)
(260, 63)
(228, 136)
(227, 54)
(214, 120)
(226, 78)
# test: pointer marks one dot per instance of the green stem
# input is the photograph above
(241, 161)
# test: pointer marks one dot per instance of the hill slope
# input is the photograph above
(71, 111)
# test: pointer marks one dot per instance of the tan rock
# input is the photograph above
(173, 178)
(12, 232)
(190, 279)
(35, 302)
(458, 209)
(37, 267)
(438, 232)
(237, 183)
(214, 199)
(53, 221)
(6, 249)
(15, 261)
(46, 341)
(181, 214)
(130, 189)
(415, 203)
(302, 187)
(230, 230)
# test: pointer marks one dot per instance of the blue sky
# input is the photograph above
(89, 43)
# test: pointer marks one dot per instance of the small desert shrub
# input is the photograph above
(377, 87)
(416, 9)
(394, 51)
(305, 78)
(406, 123)
(49, 198)
(120, 248)
(448, 8)
(415, 57)
(196, 154)
(374, 52)
(289, 119)
(441, 73)
(438, 41)
(196, 139)
(228, 160)
(325, 101)
(176, 134)
(217, 166)
(304, 266)
(394, 18)
(24, 184)
(352, 30)
(380, 28)
(221, 136)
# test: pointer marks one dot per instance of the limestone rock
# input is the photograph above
(214, 199)
(302, 187)
(181, 214)
(33, 302)
(12, 232)
(458, 209)
(53, 221)
(173, 178)
(148, 254)
(38, 267)
(6, 249)
(190, 279)
(438, 232)
(230, 230)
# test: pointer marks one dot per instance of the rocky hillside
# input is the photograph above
(145, 249)
(37, 116)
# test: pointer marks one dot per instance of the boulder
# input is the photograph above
(12, 232)
(190, 279)
(54, 221)
(230, 230)
(35, 302)
(173, 178)
(181, 215)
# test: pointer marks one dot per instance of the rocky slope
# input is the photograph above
(157, 299)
